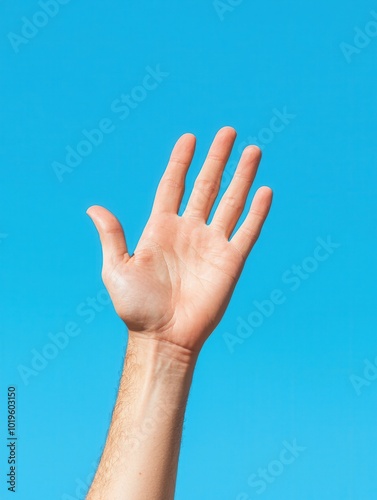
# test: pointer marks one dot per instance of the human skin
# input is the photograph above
(171, 294)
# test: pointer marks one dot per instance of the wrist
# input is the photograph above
(156, 350)
(159, 372)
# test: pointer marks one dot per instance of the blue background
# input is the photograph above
(291, 378)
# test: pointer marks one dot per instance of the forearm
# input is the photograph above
(142, 448)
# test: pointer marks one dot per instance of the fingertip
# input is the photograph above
(228, 130)
(94, 208)
(185, 143)
(189, 135)
(90, 213)
(263, 198)
(266, 192)
(254, 151)
(102, 217)
(188, 139)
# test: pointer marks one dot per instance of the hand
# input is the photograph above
(178, 283)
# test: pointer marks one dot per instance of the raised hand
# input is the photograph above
(177, 284)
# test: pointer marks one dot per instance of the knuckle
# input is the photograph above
(233, 202)
(258, 214)
(207, 186)
(250, 232)
(215, 157)
(114, 229)
(242, 176)
(194, 214)
(177, 162)
(219, 224)
(171, 182)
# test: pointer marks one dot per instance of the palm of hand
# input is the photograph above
(182, 273)
(178, 283)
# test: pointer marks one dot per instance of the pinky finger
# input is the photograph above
(249, 231)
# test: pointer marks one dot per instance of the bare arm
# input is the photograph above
(171, 293)
(141, 454)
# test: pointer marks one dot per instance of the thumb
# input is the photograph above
(114, 246)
